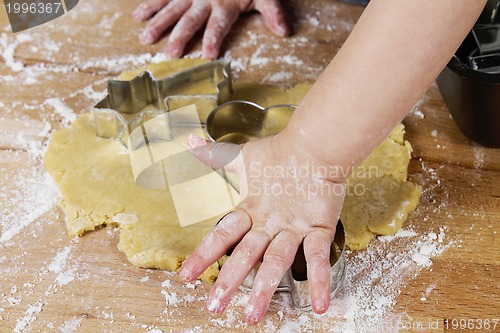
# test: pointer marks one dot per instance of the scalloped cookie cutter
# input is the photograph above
(240, 121)
(131, 103)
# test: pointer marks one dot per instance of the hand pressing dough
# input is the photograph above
(95, 179)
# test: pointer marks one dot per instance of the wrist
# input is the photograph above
(308, 159)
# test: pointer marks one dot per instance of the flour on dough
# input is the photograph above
(95, 179)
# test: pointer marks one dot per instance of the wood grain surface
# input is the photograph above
(93, 43)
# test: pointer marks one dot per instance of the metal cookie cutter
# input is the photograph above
(240, 121)
(131, 103)
(295, 279)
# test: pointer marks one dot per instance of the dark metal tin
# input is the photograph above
(472, 96)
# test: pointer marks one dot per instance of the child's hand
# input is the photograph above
(288, 198)
(189, 16)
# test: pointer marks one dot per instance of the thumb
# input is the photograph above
(217, 155)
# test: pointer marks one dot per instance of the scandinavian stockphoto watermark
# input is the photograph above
(304, 180)
(26, 14)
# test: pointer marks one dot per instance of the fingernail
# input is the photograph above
(218, 300)
(214, 306)
(174, 53)
(209, 55)
(185, 274)
(251, 314)
(320, 306)
(140, 12)
(209, 51)
(281, 30)
(146, 37)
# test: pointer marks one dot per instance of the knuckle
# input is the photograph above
(154, 26)
(241, 256)
(199, 256)
(242, 212)
(153, 31)
(221, 286)
(319, 255)
(147, 7)
(276, 260)
(260, 232)
(188, 21)
(175, 41)
(209, 38)
(221, 234)
(170, 10)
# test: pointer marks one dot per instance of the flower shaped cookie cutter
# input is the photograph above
(131, 103)
(239, 121)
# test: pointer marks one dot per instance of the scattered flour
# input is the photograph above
(8, 49)
(365, 303)
(59, 262)
(478, 156)
(278, 77)
(107, 23)
(155, 330)
(35, 193)
(400, 233)
(67, 114)
(29, 317)
(59, 265)
(50, 45)
(71, 325)
(171, 299)
(418, 113)
(192, 285)
(13, 301)
(416, 109)
(121, 63)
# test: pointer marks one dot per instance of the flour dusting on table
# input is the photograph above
(374, 277)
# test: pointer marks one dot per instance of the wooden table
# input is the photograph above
(50, 282)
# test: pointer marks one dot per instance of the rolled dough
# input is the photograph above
(95, 179)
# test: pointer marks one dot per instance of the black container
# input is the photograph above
(473, 95)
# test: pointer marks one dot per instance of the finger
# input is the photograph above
(146, 9)
(227, 232)
(273, 14)
(244, 257)
(165, 18)
(216, 154)
(220, 22)
(187, 26)
(317, 247)
(277, 260)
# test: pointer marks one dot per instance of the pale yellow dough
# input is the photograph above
(95, 178)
